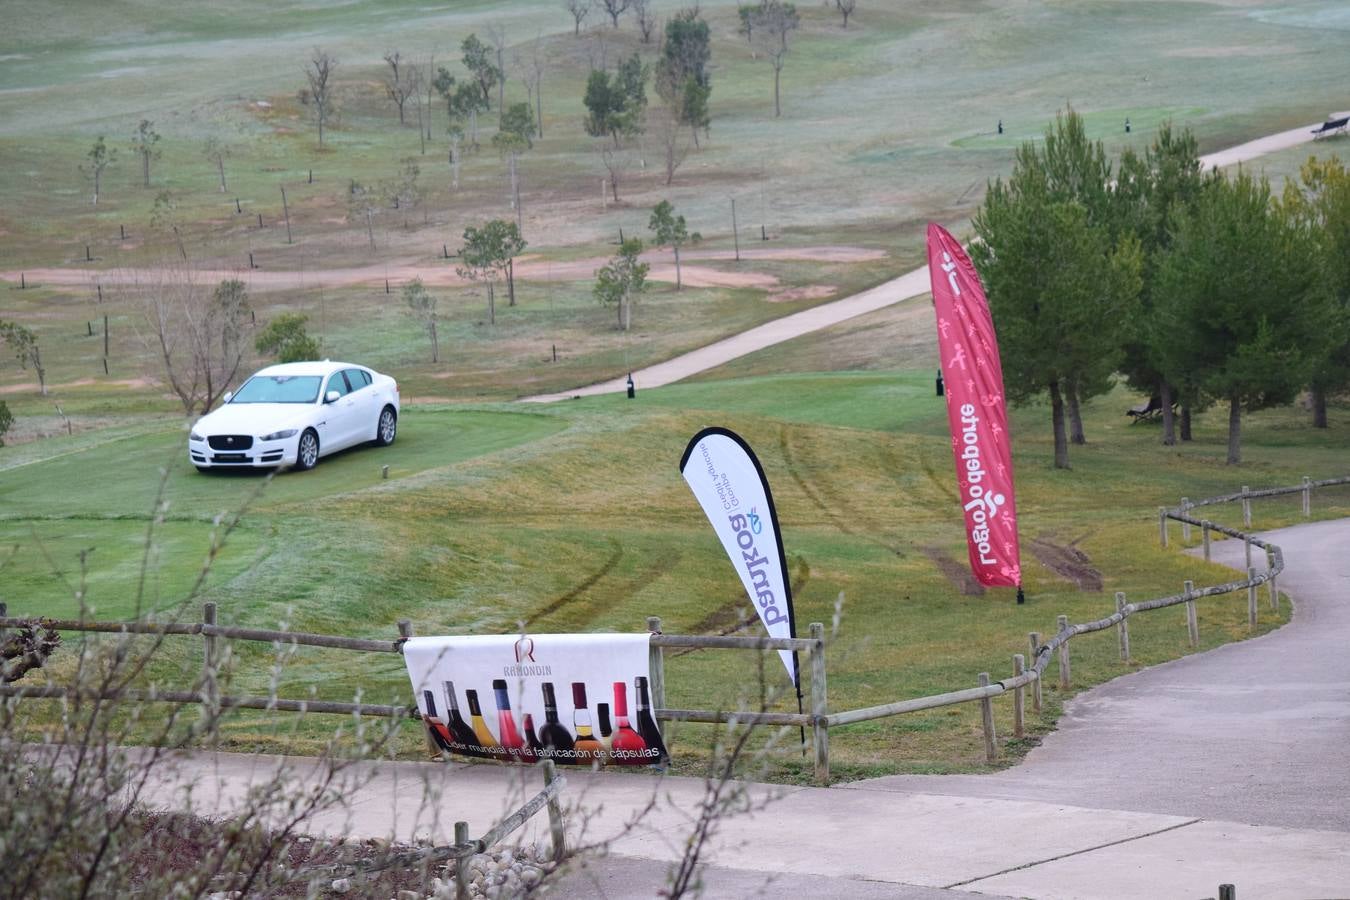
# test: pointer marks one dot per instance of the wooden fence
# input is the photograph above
(1028, 669)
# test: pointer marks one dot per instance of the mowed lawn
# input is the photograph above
(574, 518)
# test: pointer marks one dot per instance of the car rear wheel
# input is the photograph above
(387, 427)
(307, 452)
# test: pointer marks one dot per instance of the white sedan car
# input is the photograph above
(292, 414)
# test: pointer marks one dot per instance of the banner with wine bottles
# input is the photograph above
(577, 699)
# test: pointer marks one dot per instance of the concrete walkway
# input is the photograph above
(906, 287)
(1226, 767)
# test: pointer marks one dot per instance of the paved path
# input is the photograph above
(1224, 767)
(1255, 732)
(907, 286)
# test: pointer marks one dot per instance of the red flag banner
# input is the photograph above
(976, 411)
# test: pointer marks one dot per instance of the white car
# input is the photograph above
(292, 414)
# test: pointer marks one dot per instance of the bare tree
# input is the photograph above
(363, 204)
(615, 8)
(399, 82)
(319, 73)
(671, 139)
(617, 162)
(198, 334)
(845, 8)
(773, 22)
(497, 35)
(422, 307)
(645, 17)
(216, 151)
(533, 66)
(100, 157)
(579, 9)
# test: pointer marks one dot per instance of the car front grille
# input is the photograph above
(230, 441)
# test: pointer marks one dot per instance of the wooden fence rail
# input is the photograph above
(1027, 673)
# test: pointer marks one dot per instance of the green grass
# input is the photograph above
(574, 517)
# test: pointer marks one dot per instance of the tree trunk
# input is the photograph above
(320, 126)
(370, 229)
(677, 265)
(777, 107)
(511, 281)
(1075, 414)
(220, 166)
(1234, 431)
(421, 132)
(145, 168)
(694, 130)
(1185, 423)
(614, 187)
(454, 162)
(1318, 398)
(97, 175)
(1057, 418)
(435, 344)
(492, 306)
(539, 109)
(1168, 418)
(626, 306)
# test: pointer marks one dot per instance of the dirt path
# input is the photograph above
(529, 267)
(907, 286)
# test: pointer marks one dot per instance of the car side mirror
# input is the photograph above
(331, 397)
(227, 396)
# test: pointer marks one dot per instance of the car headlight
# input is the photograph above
(278, 435)
(194, 436)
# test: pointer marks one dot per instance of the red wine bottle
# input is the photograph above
(602, 724)
(646, 723)
(627, 746)
(588, 748)
(460, 732)
(507, 733)
(531, 739)
(556, 739)
(440, 735)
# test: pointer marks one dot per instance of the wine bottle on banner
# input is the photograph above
(460, 730)
(626, 746)
(646, 722)
(553, 735)
(439, 734)
(536, 747)
(605, 730)
(480, 729)
(588, 747)
(507, 734)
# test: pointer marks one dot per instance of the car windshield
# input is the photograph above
(279, 389)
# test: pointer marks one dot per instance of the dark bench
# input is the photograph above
(1331, 126)
(1147, 411)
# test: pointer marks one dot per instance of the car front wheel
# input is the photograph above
(307, 453)
(387, 427)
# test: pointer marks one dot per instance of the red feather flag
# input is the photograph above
(976, 411)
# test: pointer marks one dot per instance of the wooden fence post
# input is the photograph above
(656, 663)
(1162, 525)
(1274, 594)
(987, 716)
(1192, 626)
(462, 863)
(1034, 638)
(1251, 595)
(1204, 537)
(1247, 548)
(405, 631)
(555, 817)
(1246, 508)
(820, 730)
(1123, 629)
(1307, 496)
(1186, 526)
(1019, 697)
(210, 660)
(1063, 623)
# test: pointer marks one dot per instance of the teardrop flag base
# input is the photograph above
(1021, 597)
